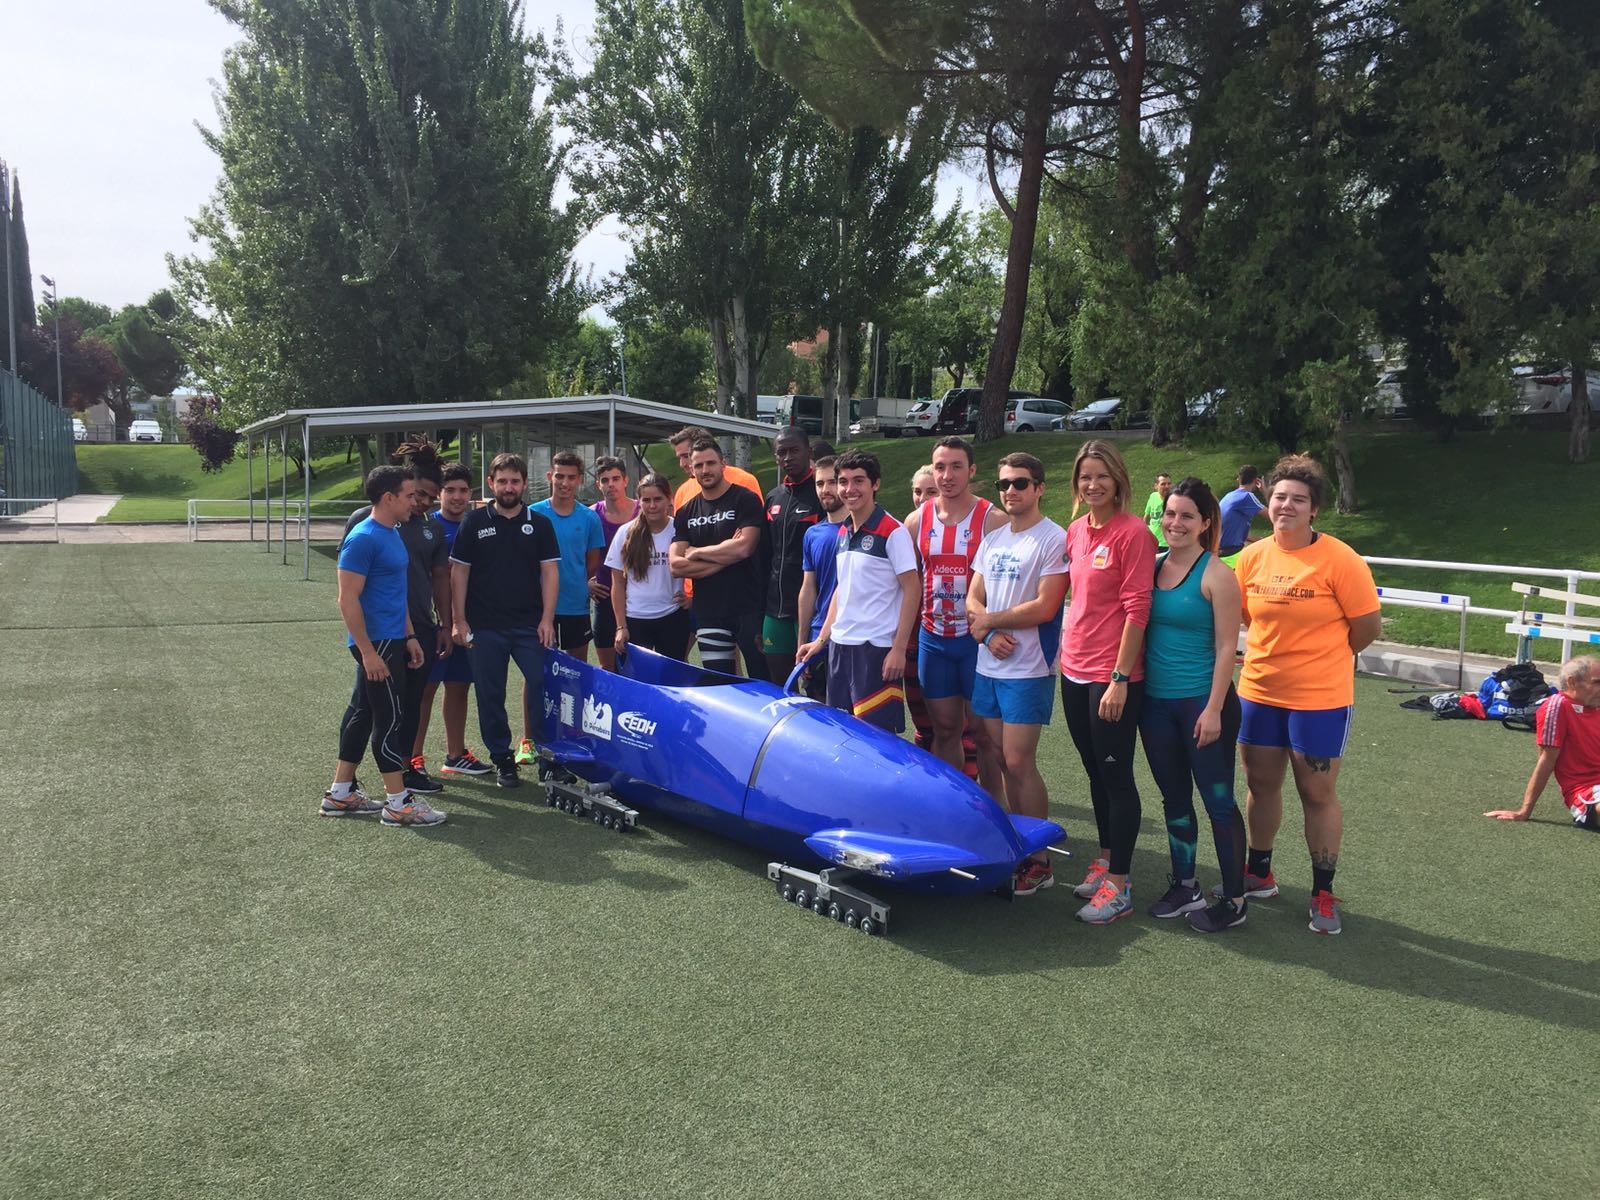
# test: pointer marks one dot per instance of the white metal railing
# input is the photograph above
(277, 511)
(291, 511)
(1439, 602)
(1571, 577)
(30, 516)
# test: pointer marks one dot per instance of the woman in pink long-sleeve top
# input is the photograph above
(1111, 560)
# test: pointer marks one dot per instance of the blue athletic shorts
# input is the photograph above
(855, 684)
(1015, 701)
(455, 669)
(946, 666)
(1313, 732)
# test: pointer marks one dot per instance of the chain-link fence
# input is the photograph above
(37, 458)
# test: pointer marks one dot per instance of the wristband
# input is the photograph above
(411, 637)
(987, 636)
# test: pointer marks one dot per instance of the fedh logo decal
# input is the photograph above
(549, 706)
(637, 729)
(596, 718)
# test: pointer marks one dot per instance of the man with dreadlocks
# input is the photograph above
(427, 591)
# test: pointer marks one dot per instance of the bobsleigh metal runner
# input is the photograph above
(754, 763)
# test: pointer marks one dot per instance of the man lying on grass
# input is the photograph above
(1567, 732)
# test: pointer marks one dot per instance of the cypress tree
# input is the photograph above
(21, 271)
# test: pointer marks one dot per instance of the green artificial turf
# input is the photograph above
(208, 991)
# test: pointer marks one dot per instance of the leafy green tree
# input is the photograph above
(384, 229)
(952, 326)
(1003, 72)
(880, 239)
(1511, 123)
(704, 156)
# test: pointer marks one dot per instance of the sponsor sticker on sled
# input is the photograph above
(596, 718)
(569, 710)
(637, 729)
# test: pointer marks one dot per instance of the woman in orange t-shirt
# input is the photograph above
(1311, 606)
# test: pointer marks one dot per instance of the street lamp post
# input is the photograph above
(55, 309)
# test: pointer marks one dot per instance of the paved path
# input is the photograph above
(178, 531)
(86, 509)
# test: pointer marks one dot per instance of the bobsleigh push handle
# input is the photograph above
(794, 677)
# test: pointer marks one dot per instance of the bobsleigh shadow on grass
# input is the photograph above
(838, 800)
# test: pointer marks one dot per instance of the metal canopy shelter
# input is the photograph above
(611, 421)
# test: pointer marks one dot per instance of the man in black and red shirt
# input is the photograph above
(792, 508)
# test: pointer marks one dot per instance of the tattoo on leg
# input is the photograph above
(1318, 764)
(1325, 860)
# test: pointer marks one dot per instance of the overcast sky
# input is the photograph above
(98, 119)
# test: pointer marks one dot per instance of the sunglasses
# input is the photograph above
(1005, 485)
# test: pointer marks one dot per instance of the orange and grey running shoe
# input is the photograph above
(412, 813)
(356, 804)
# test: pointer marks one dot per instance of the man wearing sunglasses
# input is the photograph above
(1019, 580)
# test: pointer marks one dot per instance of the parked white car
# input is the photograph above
(921, 418)
(145, 429)
(1542, 389)
(80, 431)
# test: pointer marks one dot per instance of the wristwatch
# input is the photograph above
(1118, 677)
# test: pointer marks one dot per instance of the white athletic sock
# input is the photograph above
(397, 801)
(340, 791)
(1190, 882)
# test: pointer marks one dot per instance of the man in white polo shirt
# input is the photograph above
(876, 598)
(1019, 579)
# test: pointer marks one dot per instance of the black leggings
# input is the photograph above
(416, 682)
(1107, 749)
(377, 712)
(669, 635)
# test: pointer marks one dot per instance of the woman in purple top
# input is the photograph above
(615, 510)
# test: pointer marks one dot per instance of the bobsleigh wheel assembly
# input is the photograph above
(828, 895)
(592, 800)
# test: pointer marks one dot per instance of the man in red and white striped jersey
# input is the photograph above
(947, 531)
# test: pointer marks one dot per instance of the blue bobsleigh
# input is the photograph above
(752, 762)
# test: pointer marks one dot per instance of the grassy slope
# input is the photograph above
(209, 992)
(155, 482)
(1507, 497)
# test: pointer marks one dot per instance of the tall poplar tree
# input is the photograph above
(384, 230)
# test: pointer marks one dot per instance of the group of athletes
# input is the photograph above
(980, 606)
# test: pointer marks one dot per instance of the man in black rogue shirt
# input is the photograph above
(792, 508)
(505, 569)
(714, 543)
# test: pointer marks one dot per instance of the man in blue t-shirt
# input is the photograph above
(373, 568)
(1239, 508)
(583, 545)
(817, 557)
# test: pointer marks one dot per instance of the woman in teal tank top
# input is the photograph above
(1190, 720)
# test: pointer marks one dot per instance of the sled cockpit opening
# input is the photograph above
(661, 671)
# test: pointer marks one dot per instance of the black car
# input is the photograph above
(958, 411)
(1110, 413)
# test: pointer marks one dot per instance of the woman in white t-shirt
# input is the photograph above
(650, 605)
